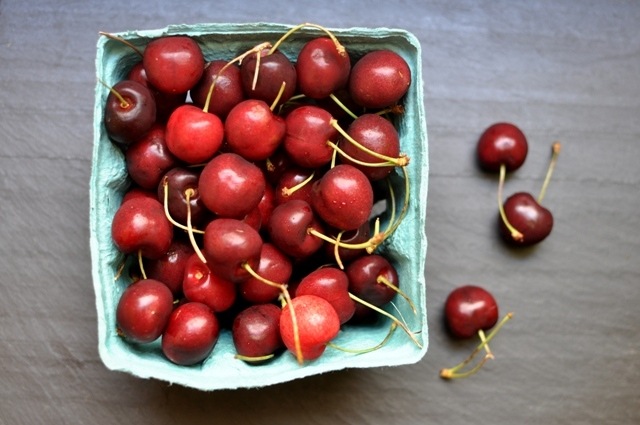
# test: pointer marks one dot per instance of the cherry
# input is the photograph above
(317, 324)
(266, 205)
(273, 69)
(166, 103)
(193, 134)
(343, 197)
(373, 278)
(524, 216)
(289, 227)
(471, 310)
(524, 221)
(200, 285)
(379, 79)
(308, 130)
(377, 134)
(227, 90)
(178, 183)
(322, 68)
(230, 246)
(169, 269)
(501, 144)
(332, 284)
(174, 64)
(129, 113)
(231, 186)
(295, 183)
(143, 310)
(256, 332)
(140, 226)
(191, 334)
(253, 131)
(275, 266)
(149, 158)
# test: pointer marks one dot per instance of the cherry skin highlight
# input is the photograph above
(502, 143)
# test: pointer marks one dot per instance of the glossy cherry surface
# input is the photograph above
(468, 309)
(191, 334)
(502, 143)
(525, 213)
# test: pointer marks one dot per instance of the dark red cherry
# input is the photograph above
(166, 103)
(343, 197)
(191, 334)
(273, 70)
(140, 225)
(231, 186)
(169, 269)
(129, 113)
(149, 158)
(322, 68)
(174, 64)
(308, 131)
(182, 182)
(275, 266)
(227, 90)
(531, 219)
(256, 331)
(253, 131)
(365, 279)
(143, 310)
(200, 285)
(379, 79)
(229, 245)
(469, 309)
(295, 183)
(502, 143)
(318, 323)
(332, 284)
(377, 134)
(194, 135)
(289, 227)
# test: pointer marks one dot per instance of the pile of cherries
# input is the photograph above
(471, 310)
(251, 207)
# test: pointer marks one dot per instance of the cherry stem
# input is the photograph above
(483, 338)
(141, 264)
(555, 151)
(515, 233)
(288, 191)
(121, 40)
(278, 96)
(357, 161)
(336, 250)
(165, 187)
(386, 339)
(287, 297)
(253, 359)
(339, 47)
(121, 99)
(390, 316)
(343, 106)
(405, 206)
(451, 373)
(188, 194)
(372, 243)
(402, 160)
(386, 282)
(119, 271)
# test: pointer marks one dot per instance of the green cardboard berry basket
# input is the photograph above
(407, 248)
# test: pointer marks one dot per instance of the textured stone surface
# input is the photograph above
(561, 70)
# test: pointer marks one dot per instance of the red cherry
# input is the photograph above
(308, 130)
(275, 266)
(273, 70)
(256, 331)
(173, 64)
(129, 113)
(289, 227)
(379, 79)
(194, 135)
(332, 284)
(318, 323)
(169, 269)
(227, 91)
(231, 186)
(181, 183)
(143, 310)
(191, 334)
(149, 158)
(322, 68)
(469, 309)
(140, 225)
(200, 285)
(502, 143)
(253, 131)
(343, 197)
(531, 219)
